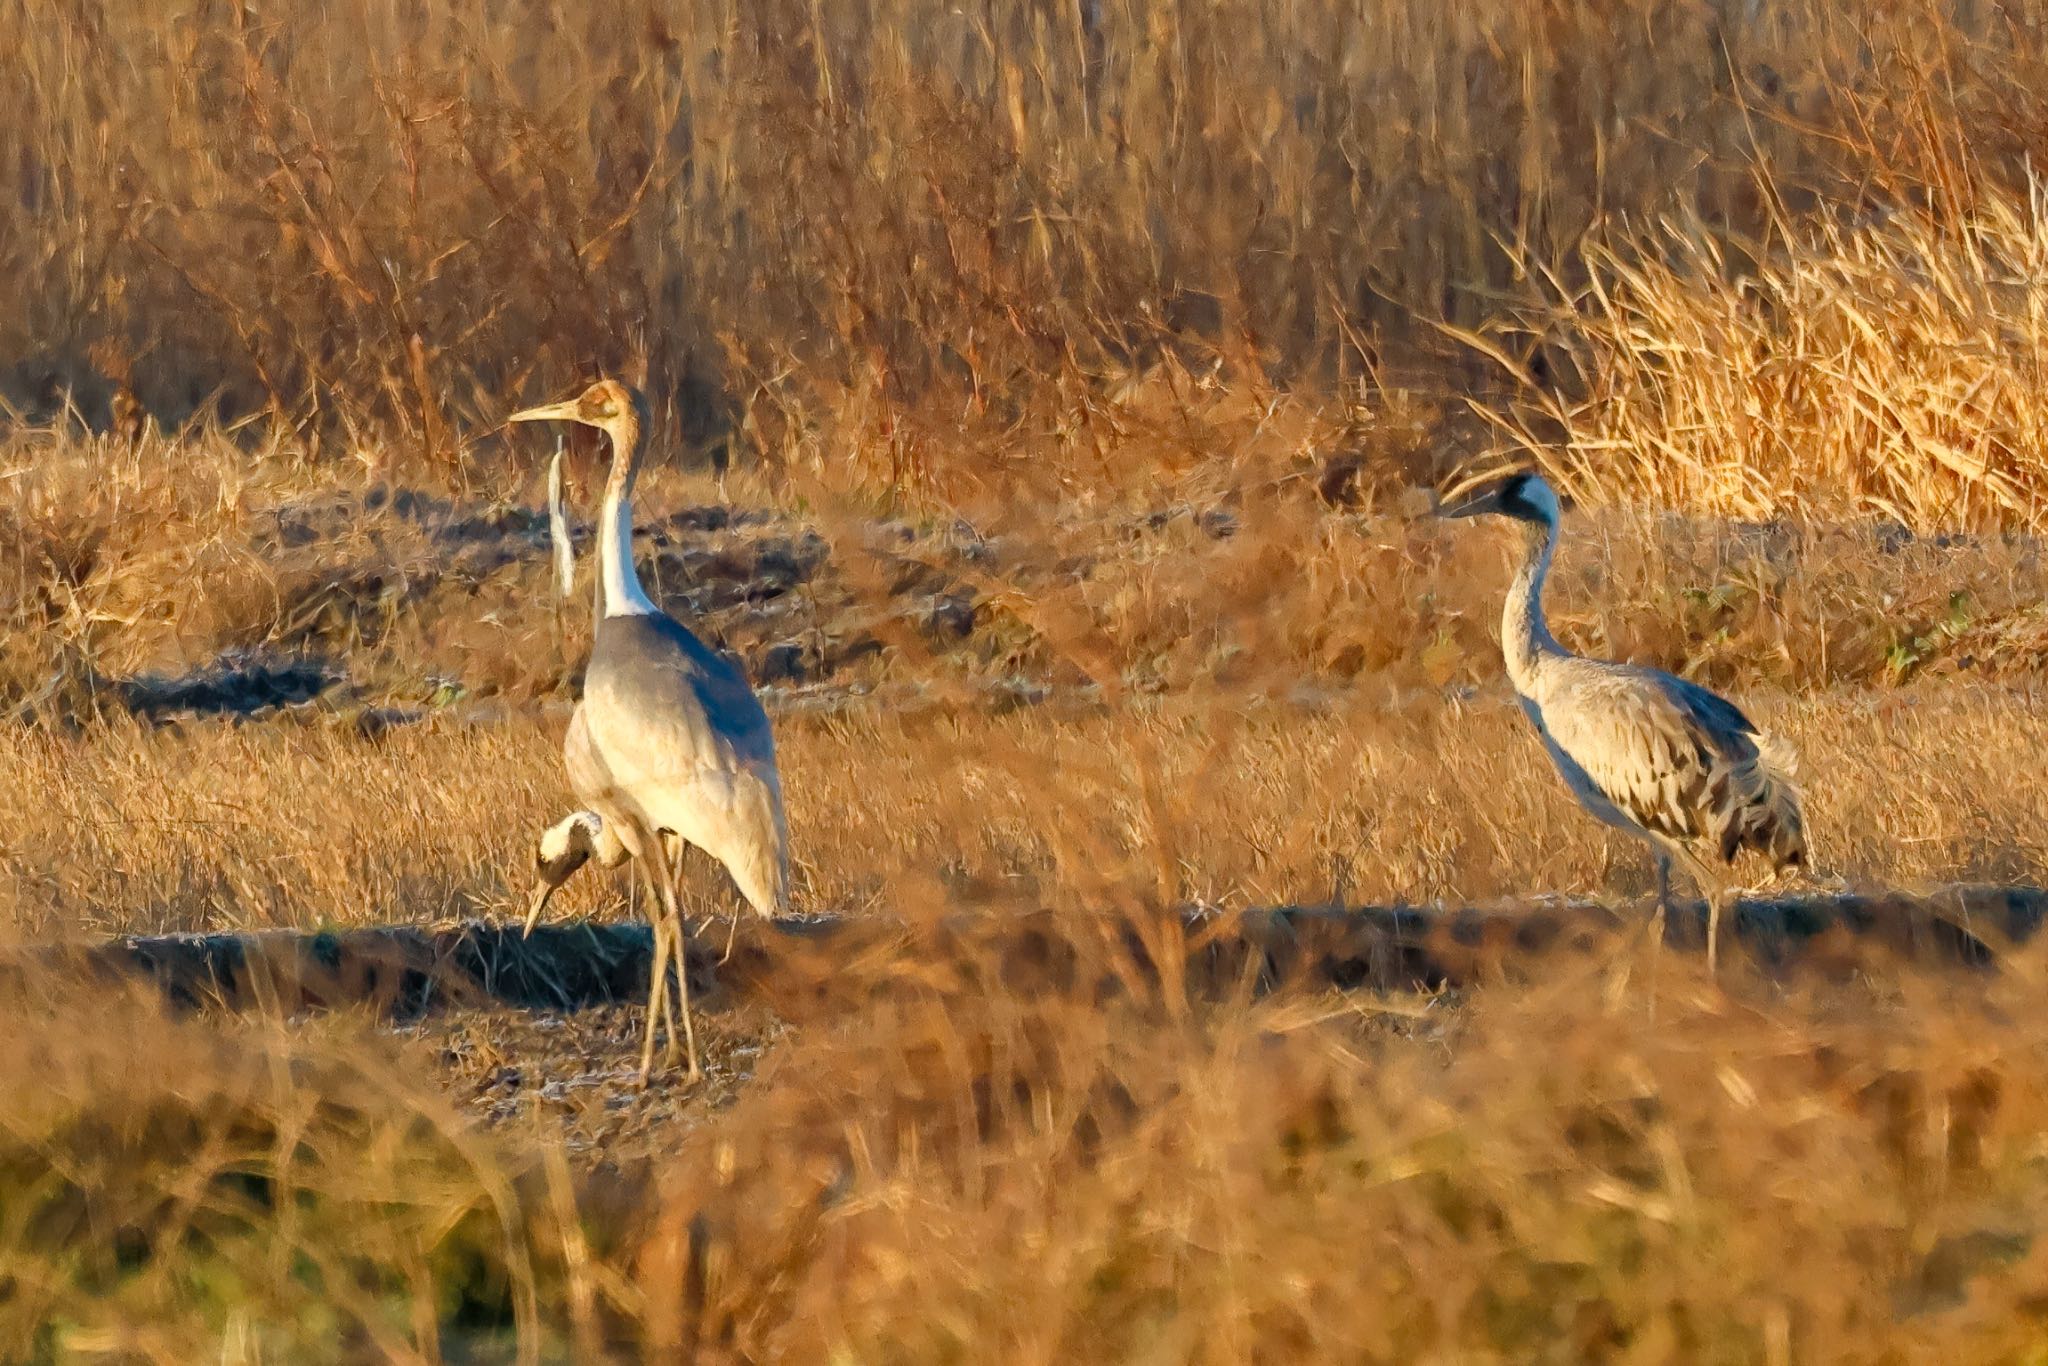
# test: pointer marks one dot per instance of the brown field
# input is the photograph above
(1050, 407)
(937, 1159)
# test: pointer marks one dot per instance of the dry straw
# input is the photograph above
(1135, 329)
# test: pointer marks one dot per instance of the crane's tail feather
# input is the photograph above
(1774, 823)
(755, 846)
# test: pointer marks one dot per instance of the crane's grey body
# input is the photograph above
(1663, 759)
(669, 740)
(1644, 751)
(675, 734)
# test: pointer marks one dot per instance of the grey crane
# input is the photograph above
(566, 846)
(669, 738)
(1678, 767)
(585, 834)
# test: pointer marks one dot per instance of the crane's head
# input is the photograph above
(1526, 497)
(564, 847)
(606, 404)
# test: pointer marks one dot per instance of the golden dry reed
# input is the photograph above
(922, 245)
(1100, 352)
(952, 1158)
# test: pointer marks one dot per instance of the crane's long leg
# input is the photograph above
(732, 930)
(1657, 919)
(1715, 897)
(672, 933)
(1716, 891)
(657, 983)
(732, 933)
(682, 951)
(678, 947)
(654, 924)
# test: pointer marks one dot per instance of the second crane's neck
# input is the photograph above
(623, 595)
(1525, 638)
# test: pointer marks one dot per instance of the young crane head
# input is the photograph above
(564, 847)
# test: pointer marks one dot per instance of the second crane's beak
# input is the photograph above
(539, 902)
(1475, 506)
(548, 412)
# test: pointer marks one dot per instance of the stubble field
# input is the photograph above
(1050, 407)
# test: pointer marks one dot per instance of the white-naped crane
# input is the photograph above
(669, 738)
(1649, 753)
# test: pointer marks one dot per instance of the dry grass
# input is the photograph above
(175, 1192)
(923, 250)
(127, 575)
(1892, 367)
(935, 1161)
(1231, 801)
(1753, 1179)
(947, 1161)
(1106, 353)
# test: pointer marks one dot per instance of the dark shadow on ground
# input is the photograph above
(793, 965)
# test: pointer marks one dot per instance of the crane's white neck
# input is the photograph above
(1525, 638)
(623, 596)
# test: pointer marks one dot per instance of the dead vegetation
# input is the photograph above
(1215, 797)
(171, 580)
(918, 253)
(939, 1156)
(1049, 401)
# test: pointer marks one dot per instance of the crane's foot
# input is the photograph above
(672, 1056)
(696, 1069)
(647, 1060)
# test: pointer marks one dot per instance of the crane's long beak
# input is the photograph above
(539, 903)
(548, 412)
(1473, 506)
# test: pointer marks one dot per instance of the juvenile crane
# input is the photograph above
(587, 834)
(671, 740)
(591, 832)
(1648, 753)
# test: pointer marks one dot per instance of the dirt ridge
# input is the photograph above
(407, 970)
